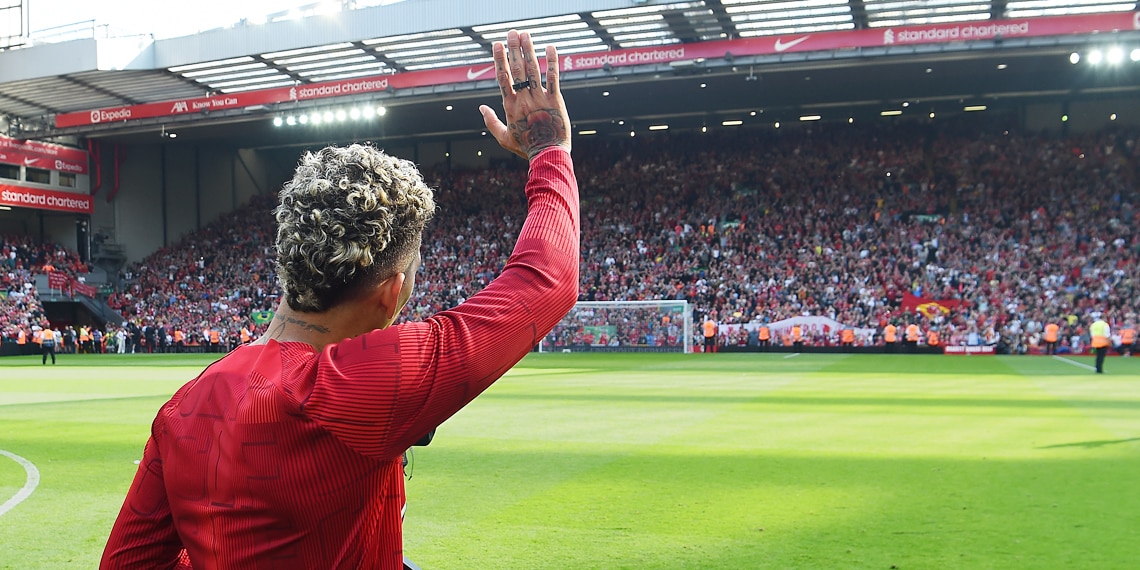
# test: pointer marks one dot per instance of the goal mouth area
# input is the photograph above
(623, 326)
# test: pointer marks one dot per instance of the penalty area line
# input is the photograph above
(793, 355)
(30, 484)
(1074, 363)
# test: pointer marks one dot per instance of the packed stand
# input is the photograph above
(839, 221)
(21, 259)
(206, 293)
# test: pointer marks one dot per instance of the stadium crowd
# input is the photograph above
(1009, 231)
(21, 259)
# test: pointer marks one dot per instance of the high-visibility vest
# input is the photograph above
(178, 335)
(912, 332)
(890, 333)
(244, 336)
(1128, 336)
(797, 333)
(38, 337)
(847, 336)
(932, 338)
(765, 333)
(1051, 331)
(21, 337)
(1099, 332)
(710, 329)
(215, 336)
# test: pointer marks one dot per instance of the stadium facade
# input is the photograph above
(121, 145)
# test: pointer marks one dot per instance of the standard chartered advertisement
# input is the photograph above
(22, 197)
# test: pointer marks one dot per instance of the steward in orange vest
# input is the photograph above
(709, 327)
(1052, 334)
(1127, 339)
(891, 337)
(847, 337)
(912, 336)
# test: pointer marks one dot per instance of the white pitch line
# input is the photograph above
(1075, 363)
(33, 480)
(793, 355)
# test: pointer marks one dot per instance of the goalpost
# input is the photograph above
(623, 326)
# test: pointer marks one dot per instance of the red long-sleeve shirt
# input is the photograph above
(278, 456)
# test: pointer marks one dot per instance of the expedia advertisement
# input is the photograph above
(35, 154)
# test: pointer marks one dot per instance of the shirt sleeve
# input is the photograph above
(382, 391)
(143, 536)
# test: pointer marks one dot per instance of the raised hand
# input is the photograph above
(536, 117)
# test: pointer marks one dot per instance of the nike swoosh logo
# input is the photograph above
(30, 161)
(472, 75)
(782, 46)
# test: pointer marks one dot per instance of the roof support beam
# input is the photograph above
(997, 9)
(100, 90)
(858, 13)
(681, 27)
(390, 63)
(478, 38)
(280, 68)
(602, 33)
(29, 102)
(722, 17)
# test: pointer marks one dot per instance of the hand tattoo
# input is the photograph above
(540, 129)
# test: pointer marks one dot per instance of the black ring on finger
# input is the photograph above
(528, 84)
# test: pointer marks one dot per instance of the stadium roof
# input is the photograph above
(44, 78)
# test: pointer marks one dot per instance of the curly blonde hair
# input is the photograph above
(349, 218)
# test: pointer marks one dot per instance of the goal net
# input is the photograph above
(623, 326)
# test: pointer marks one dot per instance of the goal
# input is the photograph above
(623, 326)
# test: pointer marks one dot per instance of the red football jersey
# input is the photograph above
(278, 456)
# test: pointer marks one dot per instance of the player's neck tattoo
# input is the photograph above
(275, 331)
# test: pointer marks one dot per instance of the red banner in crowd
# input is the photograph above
(58, 280)
(45, 199)
(769, 45)
(928, 307)
(35, 154)
(83, 288)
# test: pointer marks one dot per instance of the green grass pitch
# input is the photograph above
(671, 461)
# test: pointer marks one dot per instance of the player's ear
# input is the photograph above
(389, 295)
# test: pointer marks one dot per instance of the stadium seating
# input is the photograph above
(833, 220)
(21, 258)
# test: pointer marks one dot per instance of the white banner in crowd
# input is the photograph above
(809, 324)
